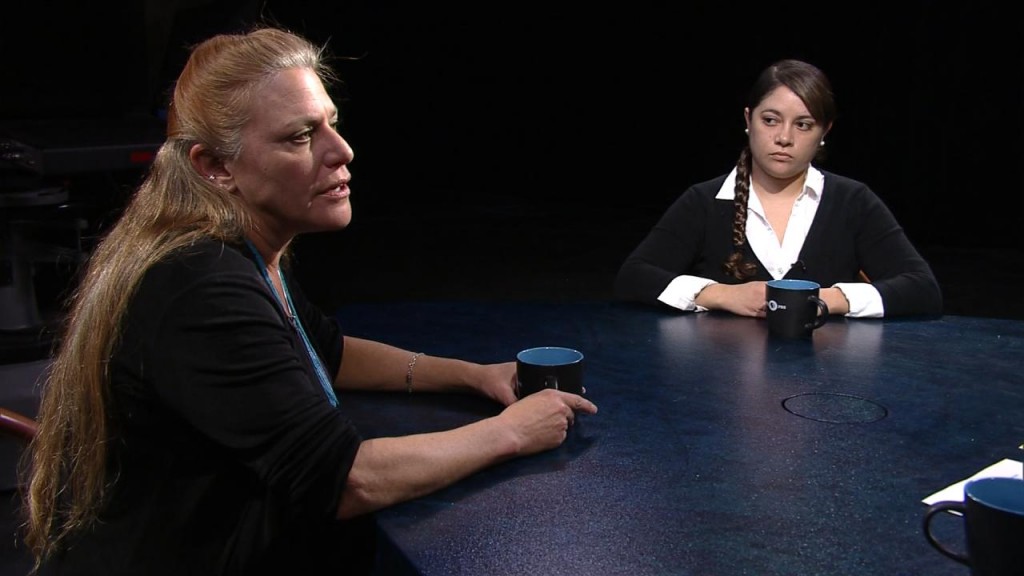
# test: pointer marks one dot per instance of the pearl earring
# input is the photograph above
(823, 142)
(746, 131)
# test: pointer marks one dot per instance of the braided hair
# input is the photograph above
(735, 264)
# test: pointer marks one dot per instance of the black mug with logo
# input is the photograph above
(793, 308)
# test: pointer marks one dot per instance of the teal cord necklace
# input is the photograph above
(318, 366)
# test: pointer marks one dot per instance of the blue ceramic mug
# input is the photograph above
(549, 367)
(993, 513)
(793, 308)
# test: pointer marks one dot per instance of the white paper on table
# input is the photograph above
(1005, 468)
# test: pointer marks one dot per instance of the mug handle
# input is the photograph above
(932, 511)
(822, 316)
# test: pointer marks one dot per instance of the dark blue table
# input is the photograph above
(717, 449)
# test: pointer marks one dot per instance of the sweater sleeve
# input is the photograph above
(895, 268)
(669, 250)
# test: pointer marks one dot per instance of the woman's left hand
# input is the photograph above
(497, 382)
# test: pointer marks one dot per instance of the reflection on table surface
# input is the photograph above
(717, 449)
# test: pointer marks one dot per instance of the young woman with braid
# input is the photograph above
(777, 216)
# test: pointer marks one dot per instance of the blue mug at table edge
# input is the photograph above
(995, 496)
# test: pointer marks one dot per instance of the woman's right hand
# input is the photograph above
(747, 299)
(541, 420)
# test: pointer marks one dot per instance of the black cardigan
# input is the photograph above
(228, 457)
(852, 231)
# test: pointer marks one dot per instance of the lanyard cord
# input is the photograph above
(318, 365)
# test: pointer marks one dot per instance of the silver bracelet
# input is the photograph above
(408, 372)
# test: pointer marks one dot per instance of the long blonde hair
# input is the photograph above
(174, 207)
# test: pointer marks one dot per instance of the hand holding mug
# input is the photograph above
(497, 382)
(541, 420)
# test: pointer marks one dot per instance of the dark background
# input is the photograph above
(521, 149)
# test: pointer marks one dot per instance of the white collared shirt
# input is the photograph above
(864, 299)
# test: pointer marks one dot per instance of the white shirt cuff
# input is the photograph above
(683, 290)
(864, 299)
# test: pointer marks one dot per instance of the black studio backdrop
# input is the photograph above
(470, 104)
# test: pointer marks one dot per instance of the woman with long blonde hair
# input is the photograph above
(190, 422)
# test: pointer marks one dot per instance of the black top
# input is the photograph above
(852, 231)
(228, 458)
